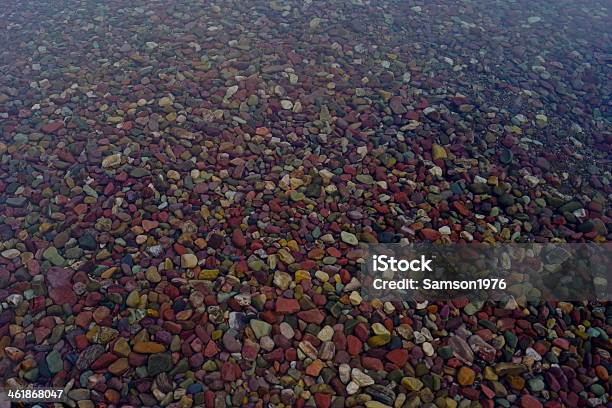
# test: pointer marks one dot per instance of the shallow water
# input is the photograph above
(186, 188)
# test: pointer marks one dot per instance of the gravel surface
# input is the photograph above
(185, 187)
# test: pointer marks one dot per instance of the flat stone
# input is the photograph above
(10, 253)
(16, 202)
(149, 347)
(361, 378)
(284, 305)
(260, 328)
(461, 349)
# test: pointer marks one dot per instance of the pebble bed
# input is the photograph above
(185, 187)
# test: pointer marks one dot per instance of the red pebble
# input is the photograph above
(353, 345)
(238, 238)
(52, 127)
(284, 305)
(230, 371)
(315, 316)
(527, 401)
(372, 363)
(322, 400)
(398, 357)
(430, 234)
(104, 361)
(211, 349)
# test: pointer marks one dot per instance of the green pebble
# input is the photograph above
(597, 389)
(181, 367)
(90, 191)
(31, 375)
(55, 362)
(141, 372)
(445, 352)
(551, 358)
(296, 196)
(260, 328)
(487, 324)
(511, 339)
(395, 376)
(329, 260)
(502, 402)
(133, 298)
(74, 253)
(256, 265)
(53, 256)
(421, 369)
(570, 207)
(349, 238)
(138, 172)
(365, 179)
(470, 309)
(336, 310)
(535, 384)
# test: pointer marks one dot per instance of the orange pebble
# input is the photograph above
(602, 373)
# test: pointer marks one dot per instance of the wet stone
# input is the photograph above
(186, 192)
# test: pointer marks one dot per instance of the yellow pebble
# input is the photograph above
(379, 329)
(322, 276)
(301, 275)
(376, 303)
(107, 274)
(293, 245)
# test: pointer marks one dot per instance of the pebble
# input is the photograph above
(466, 376)
(153, 275)
(55, 363)
(360, 378)
(461, 349)
(52, 255)
(159, 363)
(149, 347)
(189, 261)
(412, 383)
(10, 253)
(528, 401)
(326, 333)
(260, 328)
(349, 238)
(111, 161)
(287, 105)
(438, 152)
